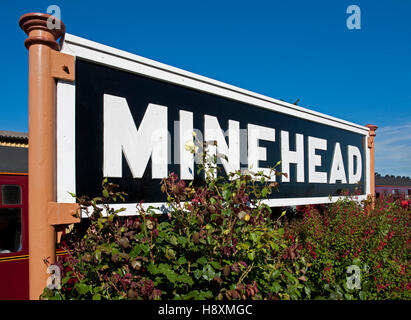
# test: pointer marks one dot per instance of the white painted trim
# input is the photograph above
(131, 209)
(108, 56)
(285, 202)
(66, 142)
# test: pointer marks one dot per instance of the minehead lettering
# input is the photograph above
(150, 140)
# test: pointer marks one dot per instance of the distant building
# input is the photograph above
(13, 152)
(395, 185)
(14, 139)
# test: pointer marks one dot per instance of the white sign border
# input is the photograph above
(114, 58)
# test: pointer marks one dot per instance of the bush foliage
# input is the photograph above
(342, 234)
(219, 240)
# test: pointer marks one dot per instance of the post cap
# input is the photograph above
(372, 127)
(38, 21)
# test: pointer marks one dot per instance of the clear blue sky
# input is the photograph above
(283, 49)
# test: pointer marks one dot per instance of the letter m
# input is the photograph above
(122, 137)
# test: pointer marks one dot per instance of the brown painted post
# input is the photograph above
(371, 144)
(41, 42)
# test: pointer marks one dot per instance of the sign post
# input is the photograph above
(371, 146)
(45, 65)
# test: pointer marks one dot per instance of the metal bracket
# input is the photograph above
(63, 213)
(370, 142)
(62, 66)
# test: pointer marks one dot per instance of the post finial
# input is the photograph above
(372, 127)
(35, 25)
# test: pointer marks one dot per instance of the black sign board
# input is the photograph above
(133, 120)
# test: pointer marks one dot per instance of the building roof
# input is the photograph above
(14, 139)
(14, 135)
(390, 180)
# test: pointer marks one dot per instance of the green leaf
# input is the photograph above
(65, 280)
(191, 295)
(170, 253)
(198, 295)
(275, 274)
(182, 240)
(168, 272)
(105, 193)
(56, 296)
(254, 236)
(82, 288)
(205, 295)
(226, 195)
(274, 246)
(243, 246)
(208, 272)
(96, 296)
(146, 248)
(202, 260)
(97, 254)
(152, 268)
(185, 279)
(307, 291)
(276, 287)
(197, 273)
(135, 251)
(251, 255)
(215, 265)
(173, 240)
(347, 296)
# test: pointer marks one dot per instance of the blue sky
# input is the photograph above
(283, 49)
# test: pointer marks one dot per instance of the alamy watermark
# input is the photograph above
(54, 280)
(354, 19)
(54, 21)
(354, 280)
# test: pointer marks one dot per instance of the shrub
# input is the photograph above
(218, 241)
(350, 233)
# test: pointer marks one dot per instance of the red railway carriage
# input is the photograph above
(14, 247)
(14, 272)
(14, 239)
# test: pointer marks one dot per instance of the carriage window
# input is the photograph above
(11, 194)
(10, 230)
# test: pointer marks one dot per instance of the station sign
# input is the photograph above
(130, 119)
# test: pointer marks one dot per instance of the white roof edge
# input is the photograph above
(69, 38)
